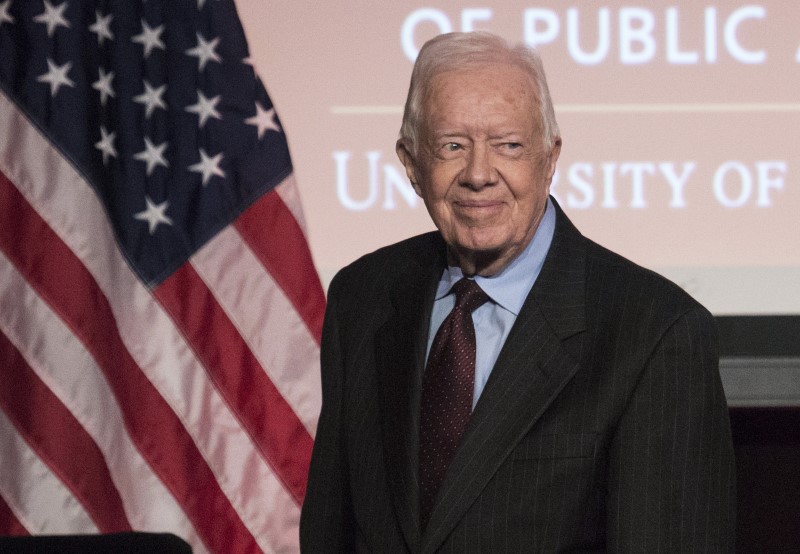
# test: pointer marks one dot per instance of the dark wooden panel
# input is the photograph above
(767, 446)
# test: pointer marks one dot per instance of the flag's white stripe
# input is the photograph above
(259, 309)
(290, 195)
(71, 208)
(37, 497)
(70, 372)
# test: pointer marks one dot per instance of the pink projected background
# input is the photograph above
(680, 123)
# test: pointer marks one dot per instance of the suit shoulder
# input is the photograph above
(387, 264)
(614, 283)
(611, 273)
(630, 310)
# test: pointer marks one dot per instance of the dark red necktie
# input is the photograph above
(447, 388)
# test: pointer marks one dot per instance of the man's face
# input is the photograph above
(481, 167)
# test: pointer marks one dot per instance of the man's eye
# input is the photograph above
(513, 145)
(452, 146)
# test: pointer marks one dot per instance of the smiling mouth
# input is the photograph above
(479, 212)
(478, 205)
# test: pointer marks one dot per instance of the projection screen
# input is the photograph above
(680, 127)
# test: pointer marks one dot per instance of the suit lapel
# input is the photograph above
(532, 368)
(400, 357)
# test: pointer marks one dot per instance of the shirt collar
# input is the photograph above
(510, 287)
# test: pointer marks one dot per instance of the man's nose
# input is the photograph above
(479, 171)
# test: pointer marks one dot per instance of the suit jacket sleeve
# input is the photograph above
(326, 523)
(671, 465)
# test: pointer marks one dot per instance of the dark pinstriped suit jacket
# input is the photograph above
(603, 425)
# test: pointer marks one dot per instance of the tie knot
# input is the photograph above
(469, 295)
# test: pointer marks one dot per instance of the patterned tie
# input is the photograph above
(447, 392)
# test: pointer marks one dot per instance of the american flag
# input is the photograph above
(160, 314)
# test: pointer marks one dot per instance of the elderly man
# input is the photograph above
(505, 384)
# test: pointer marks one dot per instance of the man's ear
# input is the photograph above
(553, 158)
(408, 162)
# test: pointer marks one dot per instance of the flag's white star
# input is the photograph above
(208, 166)
(102, 27)
(152, 155)
(264, 120)
(106, 144)
(53, 17)
(154, 214)
(4, 15)
(204, 51)
(103, 86)
(205, 108)
(151, 98)
(150, 38)
(56, 75)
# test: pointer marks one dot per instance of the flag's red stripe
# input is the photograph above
(63, 282)
(9, 524)
(253, 398)
(271, 231)
(54, 434)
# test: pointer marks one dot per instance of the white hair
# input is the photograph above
(457, 51)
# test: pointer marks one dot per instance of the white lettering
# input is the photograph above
(533, 36)
(732, 43)
(637, 171)
(677, 182)
(415, 18)
(576, 172)
(342, 190)
(631, 33)
(609, 201)
(745, 184)
(394, 183)
(674, 54)
(711, 34)
(640, 33)
(615, 178)
(603, 37)
(766, 181)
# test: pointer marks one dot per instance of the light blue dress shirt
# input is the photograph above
(507, 291)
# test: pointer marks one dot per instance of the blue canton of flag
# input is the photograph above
(177, 148)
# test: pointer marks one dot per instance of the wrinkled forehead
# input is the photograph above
(471, 89)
